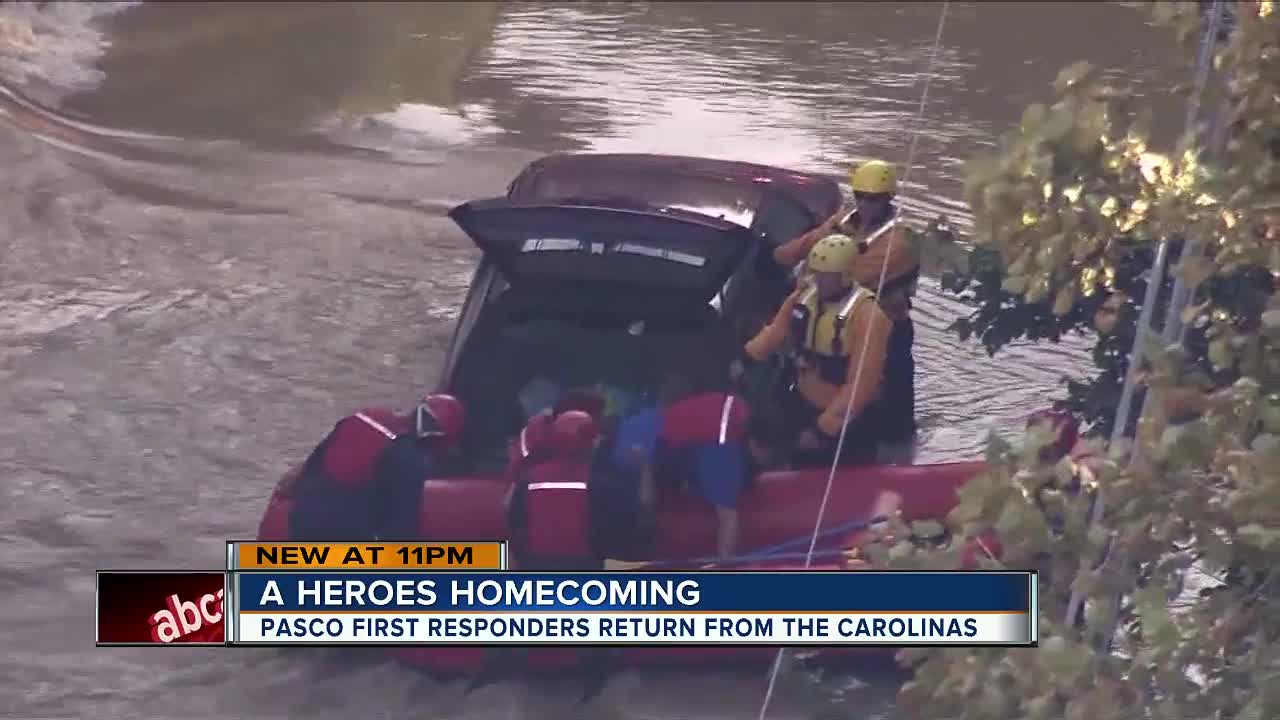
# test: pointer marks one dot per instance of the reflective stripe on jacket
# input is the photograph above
(557, 509)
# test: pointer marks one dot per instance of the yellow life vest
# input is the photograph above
(818, 328)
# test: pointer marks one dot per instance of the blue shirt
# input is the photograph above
(639, 428)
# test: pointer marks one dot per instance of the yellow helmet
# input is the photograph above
(833, 253)
(874, 176)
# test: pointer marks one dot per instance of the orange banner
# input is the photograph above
(366, 556)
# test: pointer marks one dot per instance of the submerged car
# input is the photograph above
(598, 268)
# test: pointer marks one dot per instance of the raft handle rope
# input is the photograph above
(774, 552)
(1154, 281)
(862, 356)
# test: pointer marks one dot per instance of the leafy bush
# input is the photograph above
(1069, 212)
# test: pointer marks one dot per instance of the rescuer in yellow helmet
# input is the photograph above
(826, 324)
(872, 225)
(874, 185)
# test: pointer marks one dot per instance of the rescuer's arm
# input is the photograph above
(867, 316)
(793, 251)
(772, 336)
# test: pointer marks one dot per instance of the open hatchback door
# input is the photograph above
(666, 251)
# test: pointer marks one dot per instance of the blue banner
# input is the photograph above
(852, 592)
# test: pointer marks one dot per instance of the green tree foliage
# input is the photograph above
(1069, 210)
(1068, 214)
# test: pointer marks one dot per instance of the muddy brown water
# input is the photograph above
(230, 231)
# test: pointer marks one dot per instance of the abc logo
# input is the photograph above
(183, 617)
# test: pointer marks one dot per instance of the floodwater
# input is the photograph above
(226, 229)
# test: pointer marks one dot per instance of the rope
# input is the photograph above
(1154, 281)
(717, 561)
(772, 552)
(862, 356)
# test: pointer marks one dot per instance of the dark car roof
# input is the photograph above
(575, 175)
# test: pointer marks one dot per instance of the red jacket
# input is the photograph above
(335, 499)
(710, 418)
(357, 442)
(557, 509)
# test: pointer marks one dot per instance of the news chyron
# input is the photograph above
(464, 594)
(190, 608)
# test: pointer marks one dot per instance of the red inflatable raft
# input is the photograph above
(779, 511)
(601, 269)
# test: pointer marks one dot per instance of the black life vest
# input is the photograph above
(398, 488)
(388, 507)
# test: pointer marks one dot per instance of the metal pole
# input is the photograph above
(1173, 325)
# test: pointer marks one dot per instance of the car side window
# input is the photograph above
(487, 284)
(780, 218)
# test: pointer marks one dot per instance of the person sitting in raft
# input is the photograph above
(365, 479)
(883, 244)
(552, 516)
(549, 507)
(830, 324)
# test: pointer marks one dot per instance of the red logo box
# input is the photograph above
(161, 608)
